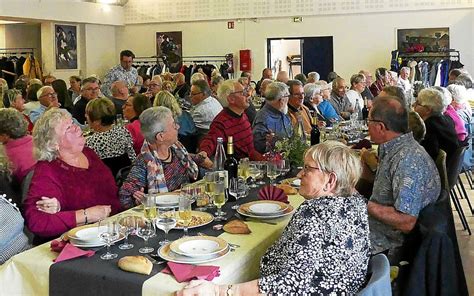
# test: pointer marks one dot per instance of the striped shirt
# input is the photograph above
(228, 123)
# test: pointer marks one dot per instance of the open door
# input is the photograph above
(317, 53)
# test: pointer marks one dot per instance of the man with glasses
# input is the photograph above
(154, 87)
(232, 121)
(272, 122)
(90, 90)
(296, 108)
(48, 99)
(339, 100)
(205, 107)
(124, 72)
(406, 180)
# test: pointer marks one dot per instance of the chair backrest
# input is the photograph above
(379, 282)
(454, 167)
(441, 166)
(116, 163)
(122, 175)
(25, 185)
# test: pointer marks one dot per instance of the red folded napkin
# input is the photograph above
(187, 272)
(69, 252)
(58, 245)
(271, 192)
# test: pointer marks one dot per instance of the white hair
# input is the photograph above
(433, 98)
(225, 89)
(459, 93)
(310, 90)
(45, 137)
(314, 75)
(153, 121)
(40, 91)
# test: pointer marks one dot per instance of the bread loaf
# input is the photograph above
(138, 264)
(289, 190)
(237, 227)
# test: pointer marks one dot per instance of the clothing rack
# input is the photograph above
(451, 54)
(17, 51)
(203, 59)
(142, 61)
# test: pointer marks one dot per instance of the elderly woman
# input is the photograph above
(451, 112)
(354, 94)
(112, 143)
(440, 132)
(18, 144)
(132, 109)
(382, 79)
(14, 99)
(324, 249)
(163, 164)
(460, 102)
(32, 98)
(183, 118)
(12, 238)
(73, 174)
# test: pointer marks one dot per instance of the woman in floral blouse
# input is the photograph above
(325, 247)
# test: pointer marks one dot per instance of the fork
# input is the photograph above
(254, 220)
(231, 245)
(153, 260)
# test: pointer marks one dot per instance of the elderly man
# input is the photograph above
(339, 100)
(119, 95)
(89, 91)
(48, 99)
(282, 76)
(368, 81)
(205, 107)
(266, 74)
(272, 122)
(48, 80)
(232, 121)
(296, 108)
(403, 80)
(182, 88)
(406, 180)
(124, 72)
(154, 87)
(263, 87)
(313, 77)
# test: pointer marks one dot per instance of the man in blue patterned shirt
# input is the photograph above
(124, 72)
(406, 180)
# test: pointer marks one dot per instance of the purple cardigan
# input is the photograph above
(20, 154)
(75, 188)
(458, 123)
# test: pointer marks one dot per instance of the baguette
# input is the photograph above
(236, 227)
(288, 189)
(138, 264)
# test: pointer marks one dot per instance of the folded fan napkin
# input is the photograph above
(69, 252)
(187, 272)
(270, 192)
(364, 143)
(58, 245)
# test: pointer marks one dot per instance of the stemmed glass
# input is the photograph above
(201, 197)
(184, 213)
(219, 198)
(210, 184)
(272, 171)
(149, 208)
(253, 172)
(145, 230)
(108, 232)
(262, 168)
(166, 221)
(284, 166)
(128, 225)
(238, 189)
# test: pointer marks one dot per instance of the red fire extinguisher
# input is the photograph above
(245, 60)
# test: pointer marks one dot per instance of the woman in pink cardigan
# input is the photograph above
(73, 174)
(132, 109)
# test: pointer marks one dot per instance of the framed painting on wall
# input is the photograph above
(65, 46)
(423, 40)
(169, 45)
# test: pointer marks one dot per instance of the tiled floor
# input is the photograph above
(466, 241)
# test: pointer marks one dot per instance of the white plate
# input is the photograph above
(265, 209)
(167, 200)
(296, 182)
(92, 245)
(263, 217)
(168, 255)
(199, 246)
(88, 235)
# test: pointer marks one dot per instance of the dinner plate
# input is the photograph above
(168, 255)
(245, 211)
(167, 200)
(266, 208)
(199, 246)
(88, 235)
(198, 219)
(93, 244)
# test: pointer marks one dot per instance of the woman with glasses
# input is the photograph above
(324, 250)
(163, 164)
(82, 186)
(14, 99)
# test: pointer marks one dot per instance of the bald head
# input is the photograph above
(282, 76)
(392, 112)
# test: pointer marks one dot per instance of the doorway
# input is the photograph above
(300, 55)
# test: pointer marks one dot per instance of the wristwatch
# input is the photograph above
(229, 291)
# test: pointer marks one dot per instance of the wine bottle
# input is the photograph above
(365, 110)
(231, 165)
(315, 133)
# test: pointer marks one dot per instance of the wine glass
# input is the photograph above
(108, 233)
(200, 197)
(166, 221)
(272, 171)
(119, 119)
(242, 170)
(238, 189)
(253, 172)
(145, 230)
(149, 206)
(219, 198)
(210, 184)
(262, 168)
(284, 166)
(184, 212)
(127, 226)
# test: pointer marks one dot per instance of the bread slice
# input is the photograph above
(289, 190)
(138, 264)
(237, 227)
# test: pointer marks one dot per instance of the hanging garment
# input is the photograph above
(32, 69)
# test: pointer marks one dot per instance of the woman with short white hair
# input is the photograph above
(324, 250)
(460, 102)
(440, 132)
(163, 164)
(449, 110)
(73, 174)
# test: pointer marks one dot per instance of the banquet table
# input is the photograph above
(28, 273)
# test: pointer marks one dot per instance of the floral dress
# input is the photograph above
(324, 250)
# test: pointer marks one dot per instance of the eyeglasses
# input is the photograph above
(299, 95)
(195, 94)
(50, 95)
(92, 89)
(244, 92)
(375, 120)
(175, 126)
(307, 168)
(284, 97)
(418, 104)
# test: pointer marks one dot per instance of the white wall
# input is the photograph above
(24, 35)
(360, 40)
(280, 49)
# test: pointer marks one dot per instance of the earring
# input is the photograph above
(325, 188)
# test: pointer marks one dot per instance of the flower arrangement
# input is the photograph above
(292, 148)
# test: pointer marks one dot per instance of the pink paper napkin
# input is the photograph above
(58, 245)
(271, 192)
(187, 272)
(69, 252)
